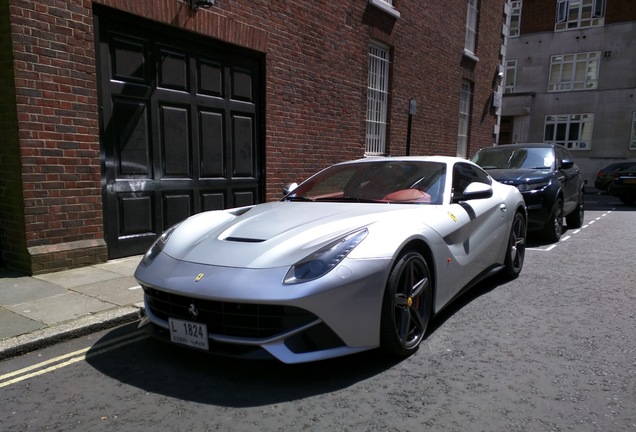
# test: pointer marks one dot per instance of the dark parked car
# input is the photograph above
(624, 185)
(548, 179)
(605, 176)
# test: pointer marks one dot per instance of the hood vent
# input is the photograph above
(243, 240)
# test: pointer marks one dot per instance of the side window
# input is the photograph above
(465, 174)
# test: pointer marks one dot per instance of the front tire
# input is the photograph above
(554, 227)
(407, 305)
(516, 247)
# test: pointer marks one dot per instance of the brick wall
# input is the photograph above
(56, 106)
(620, 11)
(316, 95)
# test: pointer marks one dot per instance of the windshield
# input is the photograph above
(376, 181)
(515, 158)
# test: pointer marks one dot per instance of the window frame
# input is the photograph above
(632, 141)
(568, 64)
(465, 112)
(515, 11)
(472, 14)
(511, 65)
(573, 14)
(377, 98)
(563, 126)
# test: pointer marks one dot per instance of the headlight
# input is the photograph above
(324, 260)
(532, 186)
(158, 246)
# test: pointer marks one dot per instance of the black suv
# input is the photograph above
(548, 179)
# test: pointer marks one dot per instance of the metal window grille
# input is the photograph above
(464, 118)
(377, 100)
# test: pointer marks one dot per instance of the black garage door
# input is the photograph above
(181, 127)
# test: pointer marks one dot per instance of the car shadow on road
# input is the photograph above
(181, 373)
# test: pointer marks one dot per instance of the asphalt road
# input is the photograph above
(554, 350)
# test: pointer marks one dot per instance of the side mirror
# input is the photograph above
(475, 190)
(567, 164)
(289, 188)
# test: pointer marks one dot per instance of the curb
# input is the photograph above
(69, 330)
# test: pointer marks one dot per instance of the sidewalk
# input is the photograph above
(36, 311)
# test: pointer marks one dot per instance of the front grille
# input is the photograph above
(229, 318)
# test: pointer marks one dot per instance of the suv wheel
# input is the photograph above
(554, 227)
(575, 219)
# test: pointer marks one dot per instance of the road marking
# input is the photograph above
(74, 357)
(565, 238)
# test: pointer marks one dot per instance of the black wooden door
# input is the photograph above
(181, 128)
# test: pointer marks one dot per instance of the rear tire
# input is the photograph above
(554, 227)
(516, 247)
(575, 219)
(628, 201)
(407, 305)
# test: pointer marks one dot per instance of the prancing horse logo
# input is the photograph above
(192, 310)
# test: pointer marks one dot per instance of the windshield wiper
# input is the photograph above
(348, 199)
(298, 198)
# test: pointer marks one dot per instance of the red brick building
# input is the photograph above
(122, 117)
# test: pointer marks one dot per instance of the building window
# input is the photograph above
(510, 76)
(377, 99)
(573, 131)
(464, 118)
(574, 71)
(471, 27)
(572, 14)
(515, 18)
(632, 141)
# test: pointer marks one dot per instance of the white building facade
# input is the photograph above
(570, 78)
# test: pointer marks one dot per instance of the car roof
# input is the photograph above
(523, 145)
(441, 159)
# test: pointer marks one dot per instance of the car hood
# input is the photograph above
(515, 176)
(273, 234)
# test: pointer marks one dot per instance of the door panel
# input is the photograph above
(180, 124)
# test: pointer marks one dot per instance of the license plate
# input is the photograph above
(629, 180)
(188, 333)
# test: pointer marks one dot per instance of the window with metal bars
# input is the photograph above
(377, 99)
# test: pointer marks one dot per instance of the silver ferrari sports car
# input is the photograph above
(359, 256)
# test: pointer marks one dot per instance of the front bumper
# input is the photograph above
(539, 207)
(250, 313)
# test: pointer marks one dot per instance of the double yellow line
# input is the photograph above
(70, 358)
